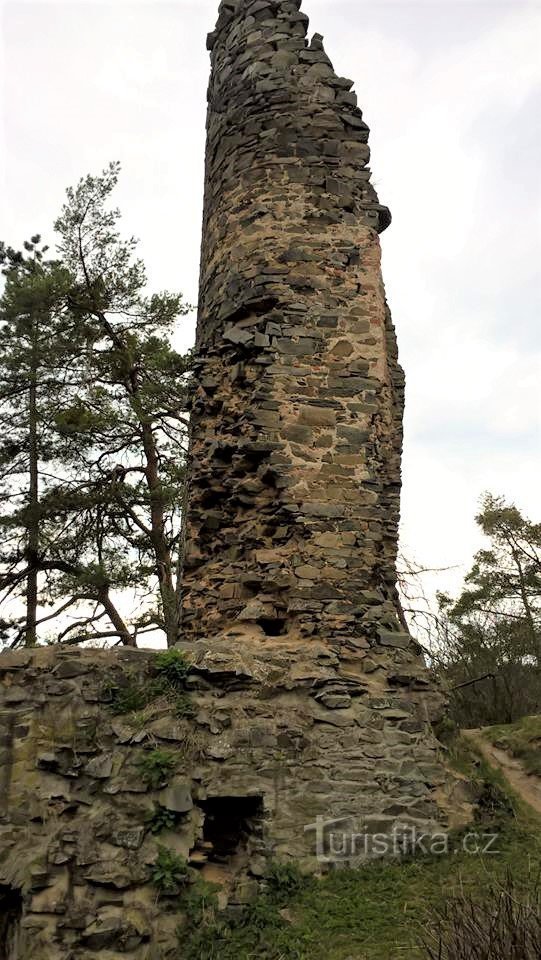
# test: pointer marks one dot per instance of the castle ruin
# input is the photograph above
(311, 706)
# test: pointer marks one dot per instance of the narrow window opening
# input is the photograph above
(11, 911)
(229, 824)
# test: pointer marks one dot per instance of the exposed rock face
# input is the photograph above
(279, 737)
(297, 422)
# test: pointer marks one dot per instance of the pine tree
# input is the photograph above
(134, 401)
(42, 556)
(33, 368)
(92, 395)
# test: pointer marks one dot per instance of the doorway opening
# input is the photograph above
(230, 823)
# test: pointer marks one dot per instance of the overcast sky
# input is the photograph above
(452, 92)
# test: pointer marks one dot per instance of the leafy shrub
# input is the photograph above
(156, 767)
(506, 926)
(159, 819)
(170, 872)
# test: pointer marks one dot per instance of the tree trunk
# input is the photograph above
(114, 616)
(32, 544)
(162, 551)
(161, 547)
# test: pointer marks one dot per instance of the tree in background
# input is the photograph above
(134, 401)
(493, 630)
(36, 367)
(94, 460)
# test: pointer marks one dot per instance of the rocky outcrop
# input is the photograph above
(94, 784)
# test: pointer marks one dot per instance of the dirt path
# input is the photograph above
(527, 786)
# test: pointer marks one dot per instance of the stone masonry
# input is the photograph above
(274, 741)
(297, 422)
(294, 497)
(271, 743)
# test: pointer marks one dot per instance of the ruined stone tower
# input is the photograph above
(306, 714)
(292, 522)
(297, 424)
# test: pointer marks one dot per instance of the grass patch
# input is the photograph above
(378, 912)
(134, 693)
(521, 739)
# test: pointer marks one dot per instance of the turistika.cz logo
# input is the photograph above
(338, 841)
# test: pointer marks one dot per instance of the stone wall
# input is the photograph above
(274, 740)
(297, 423)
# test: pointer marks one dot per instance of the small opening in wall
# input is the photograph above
(273, 626)
(11, 911)
(229, 823)
(224, 453)
(211, 498)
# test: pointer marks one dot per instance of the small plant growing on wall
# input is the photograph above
(156, 768)
(135, 694)
(159, 819)
(170, 872)
(184, 708)
(174, 667)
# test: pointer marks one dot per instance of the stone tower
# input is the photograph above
(321, 701)
(297, 423)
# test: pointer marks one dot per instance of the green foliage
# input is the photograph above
(92, 394)
(184, 708)
(170, 872)
(127, 699)
(173, 666)
(159, 819)
(259, 931)
(284, 881)
(138, 692)
(493, 629)
(134, 695)
(199, 903)
(156, 767)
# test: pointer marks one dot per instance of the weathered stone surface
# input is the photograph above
(292, 517)
(297, 363)
(286, 730)
(177, 797)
